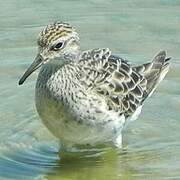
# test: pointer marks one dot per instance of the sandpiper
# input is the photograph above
(87, 97)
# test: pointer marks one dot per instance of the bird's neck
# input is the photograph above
(60, 68)
(55, 80)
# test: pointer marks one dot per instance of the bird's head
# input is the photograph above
(57, 41)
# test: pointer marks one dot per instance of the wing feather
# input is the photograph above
(124, 87)
(114, 78)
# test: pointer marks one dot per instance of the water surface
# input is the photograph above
(134, 29)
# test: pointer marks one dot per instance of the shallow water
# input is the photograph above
(135, 29)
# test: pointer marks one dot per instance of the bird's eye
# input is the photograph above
(58, 46)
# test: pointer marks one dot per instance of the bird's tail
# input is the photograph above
(154, 72)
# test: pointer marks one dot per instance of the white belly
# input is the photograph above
(101, 127)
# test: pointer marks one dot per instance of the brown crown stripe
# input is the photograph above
(56, 26)
(57, 35)
(53, 31)
(52, 35)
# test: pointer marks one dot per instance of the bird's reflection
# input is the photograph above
(107, 163)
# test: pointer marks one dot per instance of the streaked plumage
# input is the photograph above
(87, 97)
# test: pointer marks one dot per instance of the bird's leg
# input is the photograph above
(118, 141)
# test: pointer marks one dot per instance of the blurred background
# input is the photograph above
(134, 29)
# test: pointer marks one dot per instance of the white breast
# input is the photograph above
(85, 121)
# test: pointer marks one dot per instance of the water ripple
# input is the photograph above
(28, 161)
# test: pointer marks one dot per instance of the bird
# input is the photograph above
(86, 97)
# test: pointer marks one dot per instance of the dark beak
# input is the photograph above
(35, 65)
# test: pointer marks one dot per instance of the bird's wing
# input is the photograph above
(113, 78)
(154, 72)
